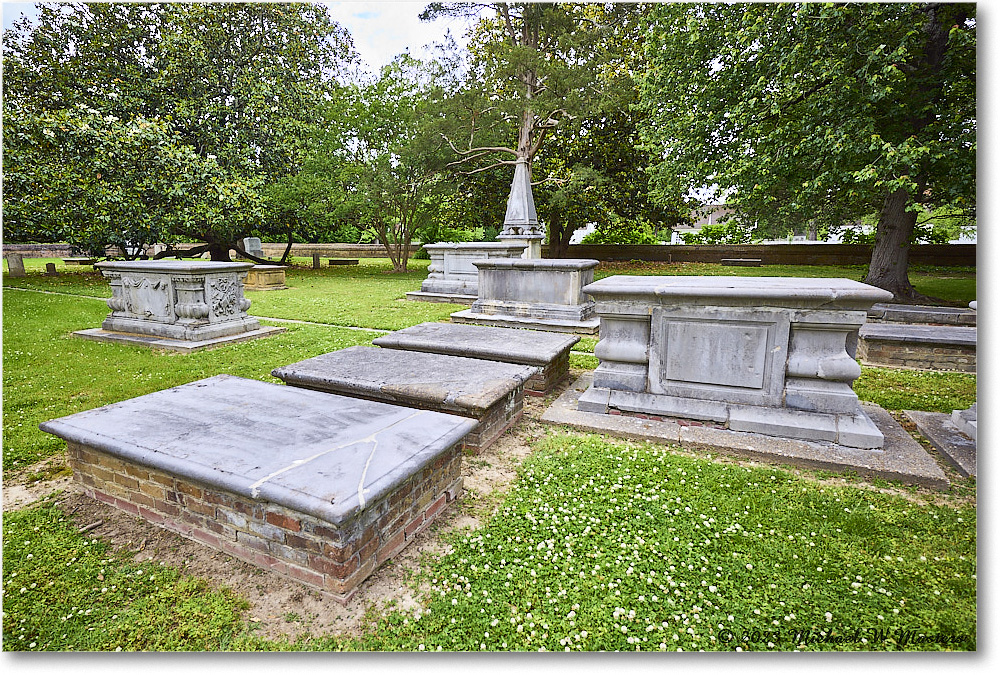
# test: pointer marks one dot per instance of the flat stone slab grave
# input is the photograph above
(922, 314)
(318, 487)
(548, 352)
(918, 346)
(489, 392)
(333, 262)
(901, 457)
(741, 262)
(947, 439)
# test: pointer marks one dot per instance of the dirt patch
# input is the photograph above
(281, 608)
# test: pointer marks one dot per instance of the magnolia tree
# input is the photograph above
(817, 114)
(231, 89)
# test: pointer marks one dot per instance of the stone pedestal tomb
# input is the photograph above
(265, 278)
(177, 305)
(451, 275)
(766, 355)
(545, 294)
(317, 487)
(489, 392)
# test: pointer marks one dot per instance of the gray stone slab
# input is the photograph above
(509, 345)
(954, 446)
(321, 454)
(966, 421)
(901, 458)
(453, 298)
(901, 332)
(585, 327)
(452, 384)
(174, 345)
(925, 314)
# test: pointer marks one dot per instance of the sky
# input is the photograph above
(381, 29)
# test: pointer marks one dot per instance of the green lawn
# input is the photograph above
(599, 545)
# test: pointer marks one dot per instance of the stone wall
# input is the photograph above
(335, 559)
(963, 255)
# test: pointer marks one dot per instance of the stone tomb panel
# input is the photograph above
(736, 355)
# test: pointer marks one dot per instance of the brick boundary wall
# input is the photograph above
(333, 558)
(917, 355)
(962, 255)
(948, 255)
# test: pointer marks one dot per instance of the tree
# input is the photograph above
(396, 160)
(95, 181)
(817, 113)
(238, 84)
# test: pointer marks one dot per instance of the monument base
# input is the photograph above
(585, 327)
(172, 344)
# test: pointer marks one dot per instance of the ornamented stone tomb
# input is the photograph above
(318, 487)
(451, 275)
(545, 294)
(177, 305)
(489, 392)
(765, 355)
(265, 278)
(548, 352)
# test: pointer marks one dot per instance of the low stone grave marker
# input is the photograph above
(548, 352)
(50, 270)
(741, 262)
(253, 246)
(342, 261)
(265, 278)
(15, 265)
(921, 347)
(489, 392)
(317, 487)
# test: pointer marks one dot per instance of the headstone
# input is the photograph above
(15, 265)
(50, 270)
(177, 305)
(292, 480)
(316, 261)
(252, 245)
(766, 355)
(488, 391)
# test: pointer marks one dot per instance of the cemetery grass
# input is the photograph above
(537, 532)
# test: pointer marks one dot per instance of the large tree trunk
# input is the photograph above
(219, 252)
(891, 255)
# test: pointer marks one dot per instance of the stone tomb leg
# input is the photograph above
(489, 392)
(317, 487)
(762, 355)
(548, 352)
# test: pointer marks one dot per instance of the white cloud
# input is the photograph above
(382, 30)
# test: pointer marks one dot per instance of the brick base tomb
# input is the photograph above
(320, 488)
(548, 352)
(489, 392)
(898, 345)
